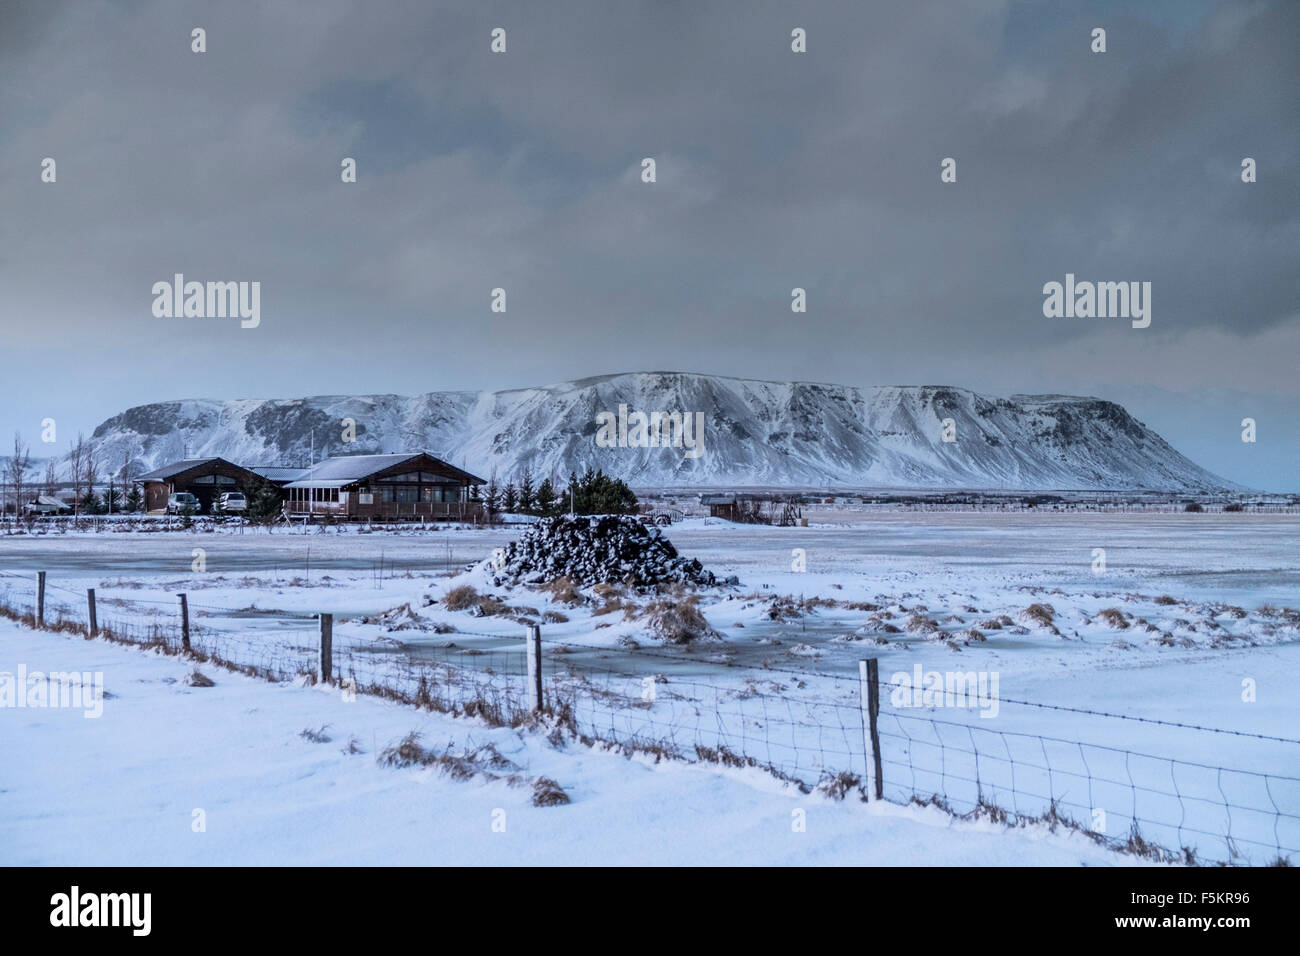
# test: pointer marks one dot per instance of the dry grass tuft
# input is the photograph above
(563, 591)
(611, 605)
(318, 736)
(461, 598)
(1042, 614)
(1113, 617)
(678, 620)
(548, 793)
(840, 785)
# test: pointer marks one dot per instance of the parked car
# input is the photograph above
(233, 501)
(182, 500)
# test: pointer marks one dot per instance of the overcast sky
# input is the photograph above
(775, 169)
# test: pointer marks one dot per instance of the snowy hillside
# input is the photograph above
(754, 433)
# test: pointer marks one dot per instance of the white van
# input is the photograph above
(233, 501)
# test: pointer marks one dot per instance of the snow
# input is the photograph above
(123, 789)
(1212, 574)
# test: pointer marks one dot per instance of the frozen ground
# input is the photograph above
(1189, 610)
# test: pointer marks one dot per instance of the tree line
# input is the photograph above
(85, 473)
(592, 493)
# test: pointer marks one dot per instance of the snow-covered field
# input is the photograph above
(1186, 623)
(131, 788)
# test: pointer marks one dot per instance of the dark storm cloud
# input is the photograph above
(775, 170)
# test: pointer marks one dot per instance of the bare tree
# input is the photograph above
(51, 481)
(92, 470)
(77, 468)
(16, 469)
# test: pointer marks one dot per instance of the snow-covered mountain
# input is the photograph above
(755, 433)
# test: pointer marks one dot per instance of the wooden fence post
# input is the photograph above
(327, 647)
(869, 685)
(40, 598)
(185, 621)
(533, 648)
(90, 605)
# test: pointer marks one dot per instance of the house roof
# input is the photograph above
(343, 470)
(175, 468)
(278, 473)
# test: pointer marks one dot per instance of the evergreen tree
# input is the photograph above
(596, 493)
(90, 503)
(509, 499)
(134, 500)
(527, 497)
(492, 498)
(546, 499)
(264, 502)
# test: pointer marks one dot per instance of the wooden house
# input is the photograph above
(384, 487)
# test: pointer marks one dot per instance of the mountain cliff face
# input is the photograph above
(754, 433)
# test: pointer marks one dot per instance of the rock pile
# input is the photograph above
(591, 549)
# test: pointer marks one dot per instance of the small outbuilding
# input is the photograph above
(720, 506)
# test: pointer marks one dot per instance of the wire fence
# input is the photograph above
(814, 731)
